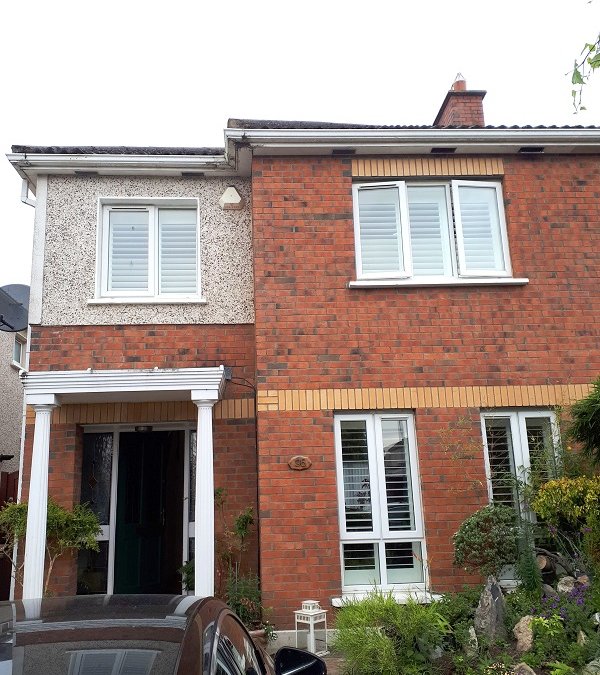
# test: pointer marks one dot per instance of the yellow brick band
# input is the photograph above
(421, 397)
(400, 167)
(165, 411)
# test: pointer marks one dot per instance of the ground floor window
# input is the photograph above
(520, 447)
(381, 523)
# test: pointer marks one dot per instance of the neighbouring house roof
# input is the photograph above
(112, 150)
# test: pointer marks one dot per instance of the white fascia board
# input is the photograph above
(28, 165)
(266, 141)
(61, 382)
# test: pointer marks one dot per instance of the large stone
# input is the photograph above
(489, 615)
(523, 669)
(548, 591)
(523, 634)
(472, 646)
(592, 668)
(565, 585)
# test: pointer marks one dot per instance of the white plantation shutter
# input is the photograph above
(429, 231)
(177, 251)
(480, 237)
(379, 231)
(128, 250)
(396, 465)
(499, 444)
(357, 480)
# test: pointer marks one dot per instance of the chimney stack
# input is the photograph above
(461, 107)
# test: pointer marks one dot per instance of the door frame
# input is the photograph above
(108, 532)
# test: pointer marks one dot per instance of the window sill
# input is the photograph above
(414, 283)
(147, 301)
(17, 366)
(402, 597)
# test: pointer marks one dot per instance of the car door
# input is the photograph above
(235, 653)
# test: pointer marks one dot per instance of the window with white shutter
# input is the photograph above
(520, 447)
(430, 232)
(150, 251)
(381, 528)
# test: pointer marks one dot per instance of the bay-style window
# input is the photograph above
(149, 250)
(382, 541)
(430, 232)
(520, 447)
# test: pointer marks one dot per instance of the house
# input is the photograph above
(12, 363)
(405, 306)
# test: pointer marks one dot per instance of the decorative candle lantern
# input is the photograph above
(312, 615)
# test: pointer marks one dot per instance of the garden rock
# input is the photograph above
(592, 668)
(523, 669)
(489, 615)
(472, 645)
(523, 634)
(566, 585)
(548, 591)
(582, 638)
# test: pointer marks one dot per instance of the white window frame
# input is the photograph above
(381, 534)
(454, 235)
(520, 445)
(20, 340)
(152, 206)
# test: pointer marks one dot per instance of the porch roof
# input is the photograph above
(135, 385)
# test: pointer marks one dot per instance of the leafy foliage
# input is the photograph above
(585, 414)
(377, 635)
(487, 540)
(74, 529)
(584, 66)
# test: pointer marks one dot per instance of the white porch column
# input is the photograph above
(37, 510)
(204, 534)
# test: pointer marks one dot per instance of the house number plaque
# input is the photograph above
(299, 463)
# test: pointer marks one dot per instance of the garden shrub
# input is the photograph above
(585, 423)
(377, 635)
(487, 541)
(571, 509)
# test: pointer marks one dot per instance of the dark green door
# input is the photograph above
(143, 536)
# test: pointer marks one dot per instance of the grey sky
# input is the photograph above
(171, 73)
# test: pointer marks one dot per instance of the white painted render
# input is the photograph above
(69, 250)
(11, 404)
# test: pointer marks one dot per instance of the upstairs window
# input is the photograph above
(149, 251)
(435, 231)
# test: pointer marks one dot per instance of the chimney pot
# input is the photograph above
(459, 84)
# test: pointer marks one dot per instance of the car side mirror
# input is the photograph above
(297, 661)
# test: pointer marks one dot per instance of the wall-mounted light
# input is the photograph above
(231, 200)
(143, 428)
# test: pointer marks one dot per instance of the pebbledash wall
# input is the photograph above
(75, 334)
(444, 353)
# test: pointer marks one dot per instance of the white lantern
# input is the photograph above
(312, 615)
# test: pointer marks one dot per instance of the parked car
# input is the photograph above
(136, 635)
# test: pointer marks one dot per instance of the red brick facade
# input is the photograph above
(147, 346)
(312, 331)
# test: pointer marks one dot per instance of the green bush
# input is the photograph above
(65, 529)
(377, 635)
(585, 424)
(487, 540)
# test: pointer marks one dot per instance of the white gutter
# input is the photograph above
(53, 162)
(304, 137)
(25, 193)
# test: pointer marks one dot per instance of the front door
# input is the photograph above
(148, 540)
